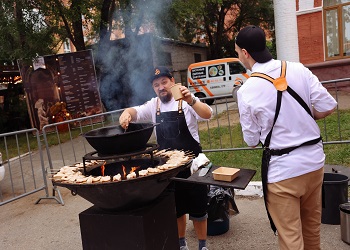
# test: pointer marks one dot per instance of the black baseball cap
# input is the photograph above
(159, 72)
(252, 38)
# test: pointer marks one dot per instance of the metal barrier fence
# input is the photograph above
(69, 147)
(24, 173)
(65, 146)
(226, 115)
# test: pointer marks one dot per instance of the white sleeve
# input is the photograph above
(250, 128)
(321, 99)
(144, 111)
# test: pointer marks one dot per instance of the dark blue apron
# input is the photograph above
(173, 133)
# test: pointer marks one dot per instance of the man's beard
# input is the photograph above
(165, 98)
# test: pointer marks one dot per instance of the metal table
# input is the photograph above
(240, 182)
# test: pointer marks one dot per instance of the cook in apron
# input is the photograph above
(173, 133)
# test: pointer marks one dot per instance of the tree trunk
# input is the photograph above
(77, 25)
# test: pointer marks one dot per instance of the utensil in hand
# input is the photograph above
(204, 170)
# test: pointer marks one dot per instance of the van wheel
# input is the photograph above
(207, 101)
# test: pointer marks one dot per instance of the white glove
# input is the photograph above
(194, 167)
(199, 161)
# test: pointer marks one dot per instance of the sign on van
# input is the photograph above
(216, 77)
(198, 73)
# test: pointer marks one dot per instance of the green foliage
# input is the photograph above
(14, 113)
(28, 28)
(23, 32)
(216, 22)
(249, 159)
(332, 130)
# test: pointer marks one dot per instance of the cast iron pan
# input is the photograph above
(115, 140)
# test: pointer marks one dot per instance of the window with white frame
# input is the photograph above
(337, 28)
(66, 46)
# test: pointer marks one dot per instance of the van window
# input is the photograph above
(216, 70)
(236, 68)
(198, 73)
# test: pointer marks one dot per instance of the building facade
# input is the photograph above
(323, 28)
(178, 56)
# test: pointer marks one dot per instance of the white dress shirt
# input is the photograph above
(257, 100)
(147, 112)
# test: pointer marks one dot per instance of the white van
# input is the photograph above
(216, 77)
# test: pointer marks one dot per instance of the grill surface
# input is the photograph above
(125, 194)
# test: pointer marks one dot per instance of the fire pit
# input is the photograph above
(127, 187)
(126, 193)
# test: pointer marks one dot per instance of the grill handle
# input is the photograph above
(74, 191)
(162, 179)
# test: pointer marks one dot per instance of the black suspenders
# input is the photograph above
(281, 85)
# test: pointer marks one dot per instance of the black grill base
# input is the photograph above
(151, 227)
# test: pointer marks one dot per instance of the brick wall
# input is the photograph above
(182, 56)
(318, 3)
(330, 70)
(310, 38)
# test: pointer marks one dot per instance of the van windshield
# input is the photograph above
(236, 68)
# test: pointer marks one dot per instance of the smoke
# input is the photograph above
(125, 65)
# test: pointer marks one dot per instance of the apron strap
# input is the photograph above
(179, 107)
(281, 84)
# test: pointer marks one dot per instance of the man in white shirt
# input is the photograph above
(293, 157)
(177, 129)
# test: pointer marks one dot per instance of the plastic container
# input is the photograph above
(335, 187)
(225, 174)
(345, 222)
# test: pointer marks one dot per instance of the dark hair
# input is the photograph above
(252, 38)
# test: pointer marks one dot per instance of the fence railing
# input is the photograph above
(64, 144)
(226, 115)
(24, 173)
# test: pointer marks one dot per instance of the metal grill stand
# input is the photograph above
(97, 156)
(148, 228)
(151, 225)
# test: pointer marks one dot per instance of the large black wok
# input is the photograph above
(125, 194)
(115, 140)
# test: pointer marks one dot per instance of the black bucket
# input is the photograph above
(335, 192)
(219, 226)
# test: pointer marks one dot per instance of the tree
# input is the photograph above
(23, 31)
(73, 19)
(216, 21)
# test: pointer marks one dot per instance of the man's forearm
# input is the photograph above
(319, 115)
(202, 110)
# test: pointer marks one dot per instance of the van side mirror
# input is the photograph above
(234, 93)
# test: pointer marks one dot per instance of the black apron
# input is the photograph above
(173, 133)
(280, 85)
